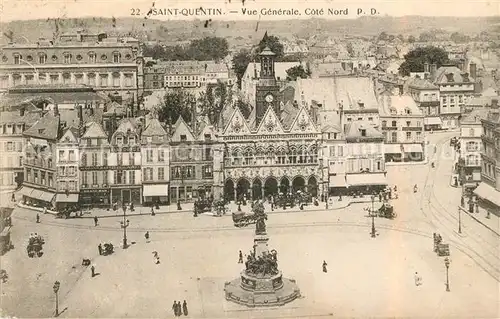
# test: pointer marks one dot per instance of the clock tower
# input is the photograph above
(267, 90)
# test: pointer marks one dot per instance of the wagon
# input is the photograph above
(386, 211)
(241, 219)
(107, 249)
(35, 246)
(443, 249)
(5, 241)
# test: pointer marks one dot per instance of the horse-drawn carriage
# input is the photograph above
(5, 241)
(386, 211)
(285, 200)
(440, 248)
(241, 219)
(35, 246)
(219, 207)
(107, 249)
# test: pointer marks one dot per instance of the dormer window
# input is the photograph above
(407, 111)
(131, 140)
(449, 77)
(208, 137)
(42, 58)
(393, 111)
(183, 138)
(119, 140)
(116, 57)
(363, 132)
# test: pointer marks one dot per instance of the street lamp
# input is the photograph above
(447, 264)
(57, 284)
(373, 233)
(124, 224)
(459, 220)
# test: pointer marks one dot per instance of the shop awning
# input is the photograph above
(366, 179)
(488, 193)
(433, 121)
(413, 148)
(70, 198)
(337, 181)
(155, 190)
(392, 149)
(46, 196)
(26, 191)
(37, 194)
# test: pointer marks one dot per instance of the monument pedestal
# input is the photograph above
(262, 288)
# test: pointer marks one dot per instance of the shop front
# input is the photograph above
(94, 197)
(337, 185)
(36, 197)
(366, 183)
(185, 192)
(155, 194)
(127, 195)
(67, 200)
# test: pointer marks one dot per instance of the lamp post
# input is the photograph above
(372, 212)
(447, 264)
(124, 224)
(459, 220)
(56, 287)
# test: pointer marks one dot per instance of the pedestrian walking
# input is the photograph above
(418, 279)
(45, 210)
(240, 258)
(100, 249)
(13, 197)
(185, 308)
(462, 201)
(174, 308)
(37, 218)
(477, 208)
(92, 270)
(156, 257)
(146, 235)
(96, 220)
(178, 309)
(152, 211)
(179, 208)
(324, 266)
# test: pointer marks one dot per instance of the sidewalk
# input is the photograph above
(492, 223)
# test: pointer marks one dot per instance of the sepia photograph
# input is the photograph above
(250, 159)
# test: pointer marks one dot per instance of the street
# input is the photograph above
(367, 277)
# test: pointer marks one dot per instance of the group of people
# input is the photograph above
(180, 309)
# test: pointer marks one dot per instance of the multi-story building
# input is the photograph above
(489, 189)
(125, 163)
(67, 163)
(39, 185)
(426, 96)
(111, 65)
(94, 180)
(469, 162)
(402, 125)
(155, 159)
(455, 89)
(192, 153)
(364, 158)
(12, 125)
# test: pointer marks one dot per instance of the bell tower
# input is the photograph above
(267, 90)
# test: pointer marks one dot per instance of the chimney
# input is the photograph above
(433, 69)
(80, 113)
(473, 70)
(460, 65)
(426, 67)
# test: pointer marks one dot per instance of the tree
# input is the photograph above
(240, 63)
(400, 37)
(411, 39)
(459, 38)
(350, 49)
(427, 36)
(297, 72)
(208, 48)
(415, 59)
(175, 103)
(156, 51)
(273, 43)
(383, 36)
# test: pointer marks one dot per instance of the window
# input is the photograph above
(332, 151)
(119, 177)
(393, 124)
(119, 140)
(149, 156)
(419, 136)
(161, 173)
(183, 138)
(116, 79)
(471, 132)
(394, 137)
(61, 155)
(84, 159)
(42, 58)
(94, 159)
(66, 78)
(341, 151)
(131, 177)
(103, 78)
(84, 178)
(408, 136)
(91, 79)
(72, 155)
(119, 159)
(92, 57)
(207, 171)
(17, 59)
(116, 57)
(161, 156)
(408, 123)
(67, 58)
(363, 132)
(10, 146)
(105, 159)
(94, 178)
(443, 101)
(370, 119)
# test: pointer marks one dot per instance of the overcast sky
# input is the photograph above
(40, 9)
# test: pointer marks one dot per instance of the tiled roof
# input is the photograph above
(154, 128)
(94, 130)
(126, 124)
(61, 97)
(353, 130)
(331, 92)
(115, 108)
(45, 128)
(279, 68)
(398, 105)
(29, 118)
(475, 116)
(421, 84)
(451, 74)
(216, 68)
(288, 115)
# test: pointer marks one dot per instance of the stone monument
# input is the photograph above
(261, 282)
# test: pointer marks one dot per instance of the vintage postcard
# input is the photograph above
(249, 159)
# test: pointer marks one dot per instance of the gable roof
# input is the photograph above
(288, 115)
(126, 125)
(94, 130)
(237, 124)
(279, 69)
(46, 128)
(353, 131)
(178, 127)
(454, 74)
(270, 124)
(154, 128)
(398, 104)
(70, 132)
